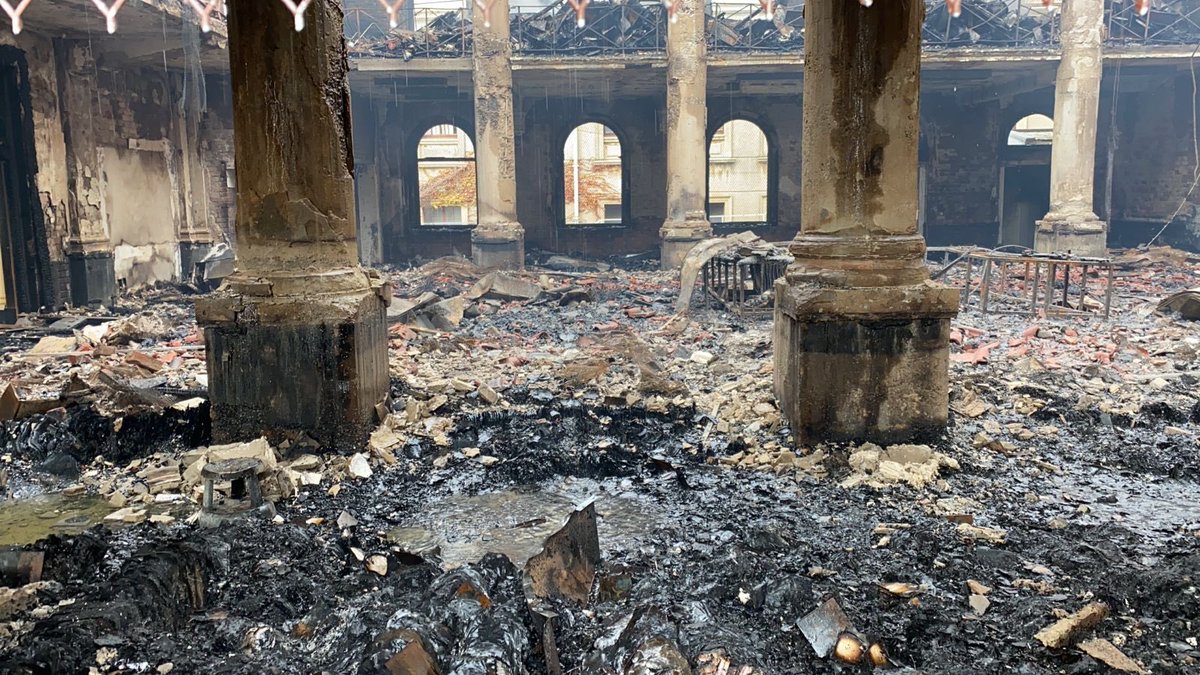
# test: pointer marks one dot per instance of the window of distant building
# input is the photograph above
(442, 215)
(612, 213)
(716, 212)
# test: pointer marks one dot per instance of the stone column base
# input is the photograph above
(314, 363)
(499, 246)
(678, 237)
(863, 364)
(93, 278)
(1085, 239)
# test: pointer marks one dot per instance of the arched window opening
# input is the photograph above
(592, 187)
(446, 174)
(1032, 130)
(738, 168)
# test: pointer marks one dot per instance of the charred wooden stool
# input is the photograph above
(245, 492)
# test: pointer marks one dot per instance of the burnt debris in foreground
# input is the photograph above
(1067, 479)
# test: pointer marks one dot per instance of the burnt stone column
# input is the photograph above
(861, 334)
(1072, 225)
(498, 240)
(687, 143)
(296, 337)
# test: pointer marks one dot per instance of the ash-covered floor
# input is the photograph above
(1068, 476)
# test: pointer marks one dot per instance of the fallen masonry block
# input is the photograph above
(1063, 632)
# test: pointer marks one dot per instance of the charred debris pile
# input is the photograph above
(627, 27)
(610, 28)
(578, 473)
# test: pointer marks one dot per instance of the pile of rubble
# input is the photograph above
(747, 28)
(119, 364)
(990, 23)
(446, 35)
(721, 547)
(620, 27)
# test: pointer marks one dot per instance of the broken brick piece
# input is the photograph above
(144, 360)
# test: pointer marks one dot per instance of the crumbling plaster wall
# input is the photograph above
(138, 196)
(132, 122)
(122, 128)
(216, 133)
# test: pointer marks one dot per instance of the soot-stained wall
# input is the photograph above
(111, 148)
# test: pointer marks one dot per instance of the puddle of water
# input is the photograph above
(1150, 507)
(25, 521)
(516, 523)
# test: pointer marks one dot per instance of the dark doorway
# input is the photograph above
(1026, 201)
(1025, 179)
(23, 252)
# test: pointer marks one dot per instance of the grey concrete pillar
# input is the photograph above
(687, 142)
(861, 334)
(1072, 225)
(499, 239)
(296, 338)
